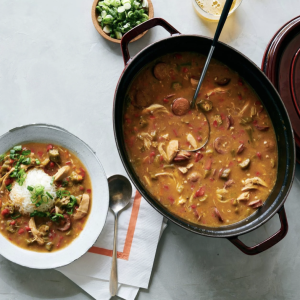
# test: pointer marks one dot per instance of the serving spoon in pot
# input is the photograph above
(220, 26)
(120, 191)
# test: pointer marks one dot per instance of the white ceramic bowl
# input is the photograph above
(46, 133)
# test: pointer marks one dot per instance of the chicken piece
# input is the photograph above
(218, 215)
(36, 234)
(255, 181)
(45, 162)
(54, 155)
(245, 107)
(191, 140)
(222, 191)
(181, 200)
(183, 170)
(61, 173)
(194, 176)
(244, 196)
(62, 202)
(147, 138)
(155, 108)
(44, 230)
(78, 198)
(83, 207)
(3, 179)
(59, 210)
(162, 152)
(172, 150)
(76, 177)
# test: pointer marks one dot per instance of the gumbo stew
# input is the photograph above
(232, 175)
(45, 196)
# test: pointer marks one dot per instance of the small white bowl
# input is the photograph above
(45, 133)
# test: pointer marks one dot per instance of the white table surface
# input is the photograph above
(55, 68)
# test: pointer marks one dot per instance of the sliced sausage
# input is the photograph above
(160, 71)
(182, 156)
(262, 128)
(228, 183)
(221, 144)
(229, 121)
(180, 106)
(66, 225)
(142, 99)
(218, 215)
(222, 81)
(255, 203)
(240, 149)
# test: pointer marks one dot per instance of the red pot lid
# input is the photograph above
(281, 63)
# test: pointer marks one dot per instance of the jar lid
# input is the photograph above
(281, 63)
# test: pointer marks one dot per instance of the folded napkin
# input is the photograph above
(139, 230)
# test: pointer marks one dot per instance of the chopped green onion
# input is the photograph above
(52, 180)
(16, 217)
(30, 188)
(26, 152)
(18, 148)
(37, 162)
(8, 187)
(48, 194)
(2, 156)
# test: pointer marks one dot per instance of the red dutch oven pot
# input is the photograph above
(273, 104)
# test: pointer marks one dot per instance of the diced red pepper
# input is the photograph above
(152, 154)
(215, 123)
(166, 100)
(81, 187)
(200, 192)
(257, 173)
(8, 181)
(11, 161)
(27, 228)
(207, 165)
(199, 156)
(199, 138)
(193, 206)
(222, 116)
(21, 230)
(166, 187)
(13, 222)
(185, 70)
(52, 164)
(152, 117)
(68, 163)
(258, 155)
(49, 147)
(240, 82)
(171, 199)
(89, 191)
(175, 132)
(40, 154)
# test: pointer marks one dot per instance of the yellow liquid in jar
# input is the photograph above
(213, 7)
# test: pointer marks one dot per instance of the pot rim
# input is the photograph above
(172, 217)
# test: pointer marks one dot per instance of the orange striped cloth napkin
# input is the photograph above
(139, 230)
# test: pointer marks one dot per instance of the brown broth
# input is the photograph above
(58, 238)
(197, 201)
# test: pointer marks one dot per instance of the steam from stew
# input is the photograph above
(45, 196)
(228, 179)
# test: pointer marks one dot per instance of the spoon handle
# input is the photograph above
(220, 26)
(113, 282)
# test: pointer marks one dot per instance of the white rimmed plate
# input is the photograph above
(45, 133)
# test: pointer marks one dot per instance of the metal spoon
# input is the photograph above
(120, 191)
(220, 26)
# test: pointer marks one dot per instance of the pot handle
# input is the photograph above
(268, 243)
(133, 33)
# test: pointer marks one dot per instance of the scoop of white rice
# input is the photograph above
(20, 195)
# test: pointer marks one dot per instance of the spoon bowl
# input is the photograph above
(120, 191)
